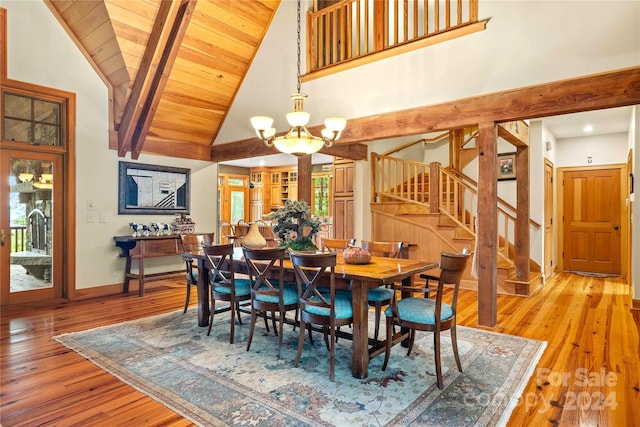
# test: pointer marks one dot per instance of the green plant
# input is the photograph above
(294, 225)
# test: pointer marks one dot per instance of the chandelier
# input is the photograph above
(298, 141)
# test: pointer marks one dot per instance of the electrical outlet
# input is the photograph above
(91, 217)
(103, 217)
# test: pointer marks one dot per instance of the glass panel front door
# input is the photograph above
(29, 270)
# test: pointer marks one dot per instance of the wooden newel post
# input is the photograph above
(434, 187)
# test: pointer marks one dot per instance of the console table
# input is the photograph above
(143, 247)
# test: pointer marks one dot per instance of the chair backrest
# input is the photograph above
(451, 270)
(225, 230)
(260, 266)
(190, 243)
(384, 249)
(310, 270)
(267, 232)
(221, 263)
(193, 242)
(335, 245)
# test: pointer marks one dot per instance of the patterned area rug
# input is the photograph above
(211, 382)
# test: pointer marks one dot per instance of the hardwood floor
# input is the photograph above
(588, 375)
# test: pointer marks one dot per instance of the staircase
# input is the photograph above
(433, 208)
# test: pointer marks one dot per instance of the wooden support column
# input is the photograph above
(304, 178)
(522, 238)
(487, 253)
(434, 187)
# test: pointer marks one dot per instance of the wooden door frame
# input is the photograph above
(624, 246)
(68, 223)
(225, 193)
(548, 162)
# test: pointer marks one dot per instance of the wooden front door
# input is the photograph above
(592, 221)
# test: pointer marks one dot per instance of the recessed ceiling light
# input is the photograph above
(588, 128)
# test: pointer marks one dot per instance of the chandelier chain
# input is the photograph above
(298, 46)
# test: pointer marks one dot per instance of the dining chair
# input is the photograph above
(192, 243)
(269, 294)
(226, 232)
(267, 232)
(316, 306)
(381, 296)
(335, 245)
(224, 284)
(425, 314)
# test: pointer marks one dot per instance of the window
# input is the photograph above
(31, 120)
(321, 202)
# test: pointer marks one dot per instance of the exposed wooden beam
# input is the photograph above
(166, 36)
(254, 147)
(607, 90)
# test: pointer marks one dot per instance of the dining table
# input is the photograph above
(359, 278)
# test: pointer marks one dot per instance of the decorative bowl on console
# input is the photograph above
(355, 255)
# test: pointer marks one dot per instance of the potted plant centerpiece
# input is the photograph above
(294, 225)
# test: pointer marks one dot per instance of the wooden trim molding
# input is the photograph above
(635, 304)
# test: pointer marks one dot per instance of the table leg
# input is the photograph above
(127, 271)
(203, 293)
(360, 356)
(141, 277)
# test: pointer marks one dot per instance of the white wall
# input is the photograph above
(39, 51)
(604, 150)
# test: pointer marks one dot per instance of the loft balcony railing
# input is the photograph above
(352, 29)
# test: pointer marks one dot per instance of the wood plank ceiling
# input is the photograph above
(173, 68)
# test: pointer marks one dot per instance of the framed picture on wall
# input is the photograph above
(150, 189)
(506, 166)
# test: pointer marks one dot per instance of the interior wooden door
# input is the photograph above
(549, 263)
(592, 221)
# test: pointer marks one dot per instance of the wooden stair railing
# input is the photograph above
(352, 29)
(408, 181)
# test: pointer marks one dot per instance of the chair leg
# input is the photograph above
(273, 320)
(436, 350)
(238, 312)
(310, 333)
(332, 352)
(300, 342)
(387, 352)
(213, 311)
(412, 337)
(186, 302)
(280, 335)
(454, 344)
(326, 336)
(378, 309)
(233, 323)
(253, 324)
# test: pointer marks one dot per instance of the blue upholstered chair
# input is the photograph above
(426, 314)
(269, 294)
(316, 306)
(224, 284)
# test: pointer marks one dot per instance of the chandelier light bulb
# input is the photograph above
(298, 118)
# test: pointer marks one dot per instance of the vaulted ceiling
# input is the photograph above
(173, 67)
